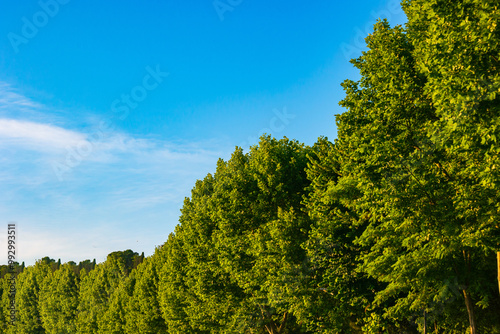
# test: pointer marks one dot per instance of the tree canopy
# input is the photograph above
(393, 227)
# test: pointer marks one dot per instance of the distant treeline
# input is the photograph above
(88, 265)
(393, 227)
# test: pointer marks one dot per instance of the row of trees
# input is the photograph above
(54, 298)
(392, 228)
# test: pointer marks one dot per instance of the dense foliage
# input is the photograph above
(391, 228)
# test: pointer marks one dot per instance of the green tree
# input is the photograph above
(8, 285)
(5, 299)
(29, 283)
(13, 268)
(86, 265)
(334, 294)
(196, 296)
(97, 288)
(143, 313)
(172, 289)
(114, 319)
(93, 296)
(425, 244)
(59, 300)
(234, 261)
(465, 91)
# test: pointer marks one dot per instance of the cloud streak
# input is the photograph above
(9, 99)
(44, 137)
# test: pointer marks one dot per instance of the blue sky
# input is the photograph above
(110, 111)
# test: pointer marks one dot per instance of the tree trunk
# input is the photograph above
(498, 265)
(272, 328)
(269, 328)
(425, 322)
(470, 309)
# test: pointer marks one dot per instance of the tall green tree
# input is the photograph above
(5, 299)
(97, 288)
(59, 300)
(334, 294)
(143, 314)
(196, 295)
(28, 286)
(234, 258)
(397, 174)
(261, 225)
(172, 289)
(8, 286)
(114, 319)
(457, 46)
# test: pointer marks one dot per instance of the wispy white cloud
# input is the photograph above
(11, 100)
(118, 191)
(37, 136)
